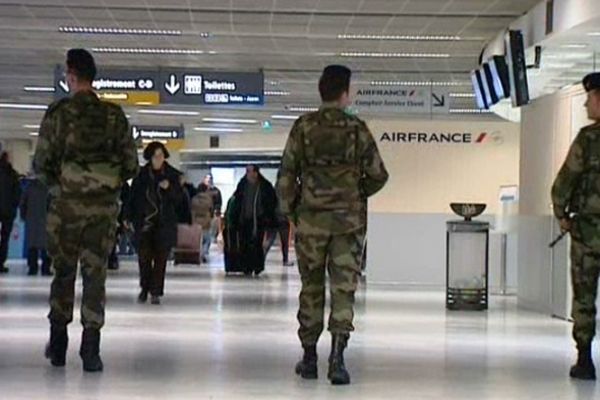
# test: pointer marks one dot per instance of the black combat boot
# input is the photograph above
(56, 349)
(307, 367)
(90, 351)
(584, 369)
(338, 374)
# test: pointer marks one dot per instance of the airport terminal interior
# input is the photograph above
(473, 106)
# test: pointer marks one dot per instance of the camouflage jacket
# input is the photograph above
(330, 166)
(85, 150)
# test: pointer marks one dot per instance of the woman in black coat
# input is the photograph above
(154, 208)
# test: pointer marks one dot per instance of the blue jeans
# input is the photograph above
(206, 242)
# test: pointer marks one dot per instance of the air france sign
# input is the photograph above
(448, 138)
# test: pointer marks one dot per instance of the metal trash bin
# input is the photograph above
(467, 264)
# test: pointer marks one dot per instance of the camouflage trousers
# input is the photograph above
(339, 256)
(84, 234)
(585, 271)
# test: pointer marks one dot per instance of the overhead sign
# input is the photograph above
(111, 80)
(157, 132)
(212, 88)
(176, 86)
(131, 98)
(402, 99)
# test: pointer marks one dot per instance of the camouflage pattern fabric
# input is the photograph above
(85, 149)
(576, 191)
(330, 166)
(340, 255)
(85, 153)
(84, 233)
(329, 193)
(585, 271)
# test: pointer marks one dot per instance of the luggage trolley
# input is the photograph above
(467, 261)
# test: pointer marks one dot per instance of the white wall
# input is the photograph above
(548, 128)
(407, 220)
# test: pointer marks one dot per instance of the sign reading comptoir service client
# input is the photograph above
(402, 99)
(172, 86)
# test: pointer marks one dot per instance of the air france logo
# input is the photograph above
(464, 138)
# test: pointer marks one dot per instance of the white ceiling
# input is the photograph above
(291, 40)
(566, 58)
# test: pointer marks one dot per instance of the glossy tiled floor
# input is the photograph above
(234, 338)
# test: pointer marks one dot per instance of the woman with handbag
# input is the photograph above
(155, 206)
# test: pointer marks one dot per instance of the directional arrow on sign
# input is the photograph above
(172, 86)
(136, 133)
(439, 101)
(63, 85)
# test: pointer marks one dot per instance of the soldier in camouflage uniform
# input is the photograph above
(84, 154)
(576, 199)
(330, 166)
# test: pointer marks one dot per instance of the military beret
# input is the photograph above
(337, 71)
(592, 82)
(82, 63)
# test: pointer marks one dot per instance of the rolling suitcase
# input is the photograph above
(189, 243)
(232, 251)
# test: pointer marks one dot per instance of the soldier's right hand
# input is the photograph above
(565, 225)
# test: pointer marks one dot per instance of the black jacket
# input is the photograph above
(155, 210)
(10, 191)
(265, 217)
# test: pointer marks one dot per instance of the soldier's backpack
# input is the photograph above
(330, 165)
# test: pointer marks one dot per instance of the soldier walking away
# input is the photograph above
(84, 155)
(330, 166)
(10, 194)
(576, 199)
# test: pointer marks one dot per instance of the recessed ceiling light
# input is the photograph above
(119, 31)
(142, 50)
(34, 134)
(169, 112)
(569, 56)
(574, 46)
(301, 108)
(230, 120)
(420, 83)
(228, 130)
(19, 106)
(48, 89)
(276, 93)
(28, 126)
(469, 111)
(438, 38)
(285, 117)
(355, 54)
(462, 95)
(594, 34)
